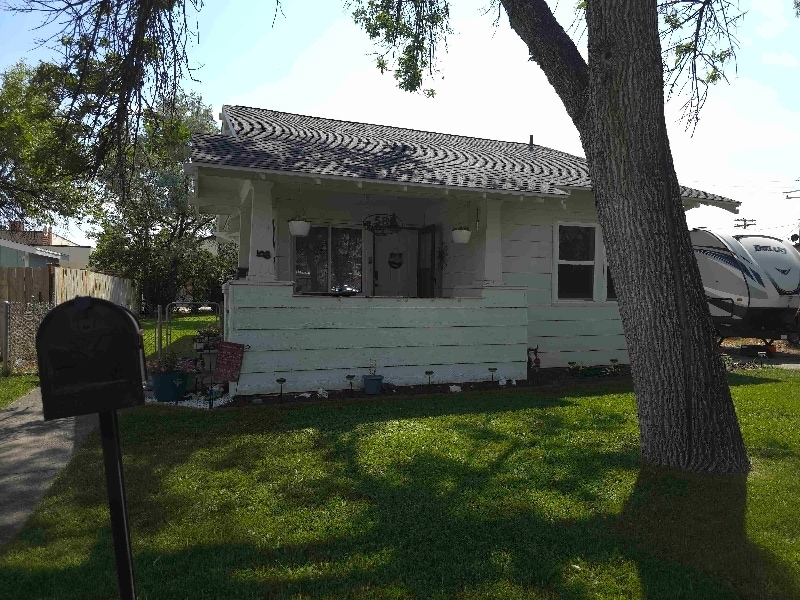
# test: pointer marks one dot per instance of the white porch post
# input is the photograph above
(245, 218)
(493, 250)
(261, 245)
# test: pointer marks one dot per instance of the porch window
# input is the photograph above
(580, 272)
(328, 261)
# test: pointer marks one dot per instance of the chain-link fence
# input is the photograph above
(24, 320)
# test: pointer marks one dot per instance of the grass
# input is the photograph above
(182, 328)
(524, 494)
(16, 386)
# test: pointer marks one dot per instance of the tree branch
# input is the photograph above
(554, 51)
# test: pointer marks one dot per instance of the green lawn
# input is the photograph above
(182, 328)
(508, 494)
(16, 386)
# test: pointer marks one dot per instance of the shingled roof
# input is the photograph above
(269, 140)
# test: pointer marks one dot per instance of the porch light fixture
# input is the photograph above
(383, 224)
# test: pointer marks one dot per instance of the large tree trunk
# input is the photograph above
(686, 415)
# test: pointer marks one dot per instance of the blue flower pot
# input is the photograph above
(169, 387)
(372, 384)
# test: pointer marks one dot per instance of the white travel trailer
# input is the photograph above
(752, 282)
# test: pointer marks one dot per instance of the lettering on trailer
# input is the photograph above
(777, 249)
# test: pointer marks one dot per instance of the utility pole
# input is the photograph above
(745, 223)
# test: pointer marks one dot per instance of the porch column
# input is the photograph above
(245, 217)
(493, 250)
(262, 233)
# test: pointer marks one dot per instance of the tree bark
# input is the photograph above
(686, 415)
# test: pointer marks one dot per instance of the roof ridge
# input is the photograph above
(453, 135)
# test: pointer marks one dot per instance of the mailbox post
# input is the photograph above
(91, 360)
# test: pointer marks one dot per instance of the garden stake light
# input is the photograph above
(429, 373)
(281, 381)
(350, 379)
(492, 370)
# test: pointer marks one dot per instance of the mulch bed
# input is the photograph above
(538, 378)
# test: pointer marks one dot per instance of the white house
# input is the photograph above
(379, 278)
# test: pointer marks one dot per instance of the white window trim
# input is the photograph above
(330, 227)
(600, 267)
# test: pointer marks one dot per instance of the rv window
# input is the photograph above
(328, 261)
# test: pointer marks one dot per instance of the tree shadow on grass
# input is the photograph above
(687, 532)
(531, 518)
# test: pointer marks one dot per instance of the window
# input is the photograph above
(580, 272)
(328, 260)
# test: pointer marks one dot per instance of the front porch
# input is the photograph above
(315, 308)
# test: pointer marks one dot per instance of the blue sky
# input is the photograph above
(314, 60)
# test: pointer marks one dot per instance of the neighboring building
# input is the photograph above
(14, 254)
(77, 256)
(378, 280)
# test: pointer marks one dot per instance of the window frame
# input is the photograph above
(330, 227)
(600, 284)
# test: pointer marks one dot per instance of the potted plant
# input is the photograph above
(372, 382)
(299, 225)
(170, 376)
(461, 234)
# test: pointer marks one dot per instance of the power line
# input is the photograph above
(745, 223)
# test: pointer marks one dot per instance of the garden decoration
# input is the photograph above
(350, 379)
(280, 381)
(207, 338)
(429, 373)
(492, 371)
(91, 360)
(372, 382)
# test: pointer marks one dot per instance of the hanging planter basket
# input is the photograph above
(299, 228)
(461, 236)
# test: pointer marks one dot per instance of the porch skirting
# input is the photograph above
(315, 342)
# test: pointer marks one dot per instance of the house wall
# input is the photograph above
(584, 332)
(315, 342)
(564, 331)
(9, 257)
(78, 255)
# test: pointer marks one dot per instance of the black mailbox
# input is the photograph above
(91, 358)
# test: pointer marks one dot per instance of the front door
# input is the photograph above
(395, 264)
(426, 271)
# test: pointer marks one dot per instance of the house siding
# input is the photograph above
(316, 342)
(583, 332)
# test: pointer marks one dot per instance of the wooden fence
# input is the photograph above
(25, 284)
(58, 284)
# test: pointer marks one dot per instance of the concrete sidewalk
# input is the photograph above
(32, 452)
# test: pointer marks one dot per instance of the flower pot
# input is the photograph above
(169, 387)
(372, 384)
(299, 228)
(461, 236)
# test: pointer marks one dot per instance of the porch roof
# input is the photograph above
(269, 140)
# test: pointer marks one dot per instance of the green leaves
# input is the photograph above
(44, 164)
(408, 32)
(152, 236)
